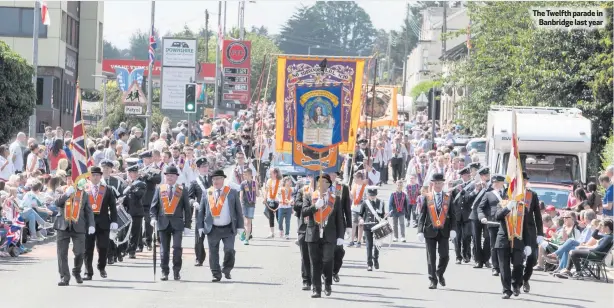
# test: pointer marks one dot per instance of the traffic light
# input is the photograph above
(190, 98)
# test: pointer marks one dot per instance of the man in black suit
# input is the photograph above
(462, 244)
(486, 213)
(474, 193)
(436, 226)
(171, 213)
(325, 227)
(511, 249)
(102, 201)
(133, 203)
(361, 155)
(535, 231)
(342, 191)
(117, 186)
(151, 176)
(196, 192)
(302, 189)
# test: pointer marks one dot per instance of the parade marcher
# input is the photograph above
(171, 215)
(220, 218)
(197, 190)
(117, 186)
(398, 205)
(399, 152)
(152, 177)
(304, 189)
(436, 227)
(325, 228)
(239, 169)
(103, 204)
(462, 244)
(75, 219)
(358, 194)
(266, 152)
(342, 191)
(271, 202)
(381, 163)
(248, 194)
(362, 154)
(511, 248)
(133, 203)
(178, 161)
(535, 231)
(420, 168)
(413, 192)
(486, 213)
(474, 193)
(372, 176)
(190, 170)
(372, 211)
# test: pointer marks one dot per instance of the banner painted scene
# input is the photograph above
(382, 110)
(293, 72)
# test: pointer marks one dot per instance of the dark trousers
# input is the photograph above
(78, 248)
(576, 257)
(481, 253)
(462, 242)
(165, 247)
(492, 232)
(438, 244)
(372, 252)
(510, 277)
(305, 263)
(272, 217)
(225, 235)
(147, 231)
(383, 172)
(115, 251)
(100, 239)
(531, 262)
(321, 255)
(262, 170)
(397, 168)
(199, 246)
(135, 234)
(411, 212)
(338, 260)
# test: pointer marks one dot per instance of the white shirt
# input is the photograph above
(125, 147)
(373, 177)
(7, 171)
(268, 147)
(235, 182)
(159, 145)
(15, 149)
(224, 218)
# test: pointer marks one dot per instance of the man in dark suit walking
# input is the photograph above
(342, 191)
(151, 177)
(171, 213)
(325, 227)
(75, 219)
(197, 190)
(462, 244)
(436, 226)
(103, 203)
(486, 213)
(474, 193)
(303, 189)
(220, 217)
(535, 230)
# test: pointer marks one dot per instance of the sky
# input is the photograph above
(122, 18)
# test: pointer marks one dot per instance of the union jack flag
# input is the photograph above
(152, 47)
(220, 37)
(80, 155)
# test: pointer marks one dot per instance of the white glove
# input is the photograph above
(240, 230)
(540, 239)
(195, 204)
(186, 231)
(544, 244)
(339, 242)
(348, 231)
(452, 235)
(70, 190)
(201, 231)
(527, 251)
(421, 237)
(114, 226)
(319, 204)
(153, 222)
(484, 220)
(91, 230)
(510, 206)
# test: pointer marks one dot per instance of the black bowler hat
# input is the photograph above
(497, 178)
(146, 154)
(363, 141)
(438, 177)
(201, 161)
(484, 171)
(372, 190)
(171, 170)
(218, 172)
(95, 170)
(525, 176)
(106, 163)
(474, 165)
(464, 171)
(325, 177)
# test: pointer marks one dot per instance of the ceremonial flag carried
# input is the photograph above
(45, 13)
(152, 47)
(80, 156)
(515, 190)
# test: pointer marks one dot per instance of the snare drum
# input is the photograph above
(381, 230)
(123, 218)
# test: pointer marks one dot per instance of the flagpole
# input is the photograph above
(37, 8)
(148, 127)
(217, 58)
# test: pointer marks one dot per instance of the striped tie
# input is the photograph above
(439, 201)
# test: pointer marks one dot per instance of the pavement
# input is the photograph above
(267, 274)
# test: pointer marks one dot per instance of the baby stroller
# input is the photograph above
(10, 237)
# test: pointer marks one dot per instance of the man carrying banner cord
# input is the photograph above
(197, 190)
(151, 178)
(474, 193)
(343, 192)
(535, 230)
(486, 213)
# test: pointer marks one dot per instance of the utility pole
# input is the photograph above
(217, 59)
(206, 49)
(242, 20)
(388, 51)
(225, 4)
(148, 126)
(443, 57)
(37, 9)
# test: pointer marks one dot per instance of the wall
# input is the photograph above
(90, 44)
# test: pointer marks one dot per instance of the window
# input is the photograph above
(19, 22)
(548, 168)
(64, 26)
(40, 83)
(100, 42)
(55, 99)
(72, 32)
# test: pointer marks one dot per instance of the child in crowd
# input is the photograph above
(413, 192)
(248, 195)
(285, 207)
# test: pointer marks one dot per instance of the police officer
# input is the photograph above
(486, 213)
(117, 186)
(152, 177)
(474, 193)
(195, 192)
(462, 244)
(133, 203)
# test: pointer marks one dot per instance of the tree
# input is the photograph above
(139, 45)
(109, 51)
(17, 97)
(260, 31)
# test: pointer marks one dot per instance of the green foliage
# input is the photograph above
(607, 155)
(17, 97)
(424, 87)
(139, 45)
(109, 51)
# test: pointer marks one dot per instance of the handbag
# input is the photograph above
(271, 206)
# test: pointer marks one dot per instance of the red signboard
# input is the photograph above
(207, 70)
(236, 63)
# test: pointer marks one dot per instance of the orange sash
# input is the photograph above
(322, 214)
(338, 189)
(97, 204)
(273, 193)
(170, 206)
(358, 200)
(528, 197)
(438, 220)
(216, 207)
(285, 199)
(72, 207)
(514, 223)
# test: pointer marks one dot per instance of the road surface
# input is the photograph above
(267, 274)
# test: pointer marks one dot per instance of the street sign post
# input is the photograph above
(134, 100)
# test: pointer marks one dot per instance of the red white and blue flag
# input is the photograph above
(45, 13)
(152, 47)
(515, 191)
(80, 155)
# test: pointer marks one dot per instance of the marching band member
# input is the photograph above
(117, 186)
(248, 194)
(304, 188)
(220, 218)
(285, 207)
(357, 195)
(486, 213)
(462, 244)
(474, 193)
(271, 193)
(413, 192)
(342, 191)
(239, 169)
(398, 205)
(133, 203)
(369, 208)
(102, 201)
(76, 215)
(436, 227)
(197, 189)
(152, 178)
(535, 231)
(171, 215)
(324, 231)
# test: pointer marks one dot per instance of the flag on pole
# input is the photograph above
(152, 47)
(220, 36)
(45, 13)
(515, 190)
(80, 156)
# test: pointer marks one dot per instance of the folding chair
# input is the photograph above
(594, 265)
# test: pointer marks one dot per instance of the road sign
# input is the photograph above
(134, 95)
(422, 100)
(133, 110)
(236, 96)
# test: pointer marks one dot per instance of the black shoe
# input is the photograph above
(487, 264)
(516, 290)
(376, 265)
(328, 290)
(336, 277)
(526, 287)
(316, 294)
(63, 283)
(198, 263)
(132, 256)
(216, 279)
(466, 260)
(148, 247)
(433, 285)
(110, 261)
(103, 273)
(78, 278)
(120, 258)
(478, 265)
(442, 281)
(140, 249)
(176, 276)
(306, 286)
(495, 272)
(506, 296)
(227, 276)
(164, 277)
(87, 277)
(458, 261)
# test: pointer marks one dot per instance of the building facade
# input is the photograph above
(69, 50)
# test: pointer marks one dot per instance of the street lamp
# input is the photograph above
(309, 49)
(104, 95)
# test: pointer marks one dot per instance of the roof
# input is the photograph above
(457, 52)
